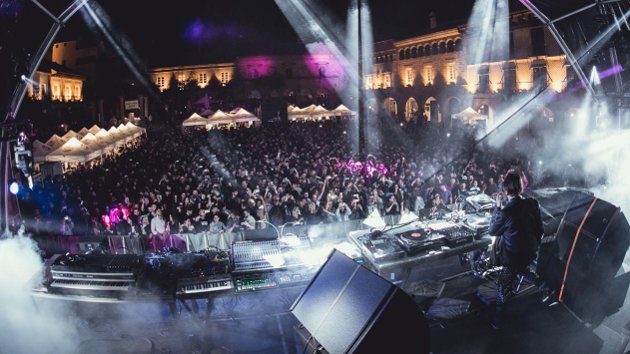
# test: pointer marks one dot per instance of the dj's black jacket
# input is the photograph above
(520, 225)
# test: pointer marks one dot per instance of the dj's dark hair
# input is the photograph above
(512, 184)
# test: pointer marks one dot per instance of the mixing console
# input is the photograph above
(251, 256)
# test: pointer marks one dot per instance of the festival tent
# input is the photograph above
(220, 117)
(342, 111)
(103, 138)
(84, 131)
(116, 136)
(127, 132)
(299, 113)
(241, 115)
(55, 141)
(72, 151)
(70, 134)
(136, 130)
(96, 145)
(320, 112)
(40, 150)
(195, 120)
(469, 116)
(94, 129)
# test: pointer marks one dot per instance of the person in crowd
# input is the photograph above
(474, 188)
(517, 223)
(157, 237)
(234, 222)
(393, 207)
(343, 212)
(216, 226)
(249, 222)
(67, 226)
(201, 221)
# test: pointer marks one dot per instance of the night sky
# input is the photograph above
(188, 32)
(162, 33)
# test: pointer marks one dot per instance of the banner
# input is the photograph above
(131, 105)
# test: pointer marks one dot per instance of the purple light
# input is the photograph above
(604, 74)
(255, 67)
(610, 72)
(369, 168)
(323, 64)
(200, 31)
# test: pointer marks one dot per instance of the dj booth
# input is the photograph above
(395, 254)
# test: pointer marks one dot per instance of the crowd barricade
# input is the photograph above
(189, 242)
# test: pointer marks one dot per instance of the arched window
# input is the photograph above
(401, 55)
(434, 49)
(407, 53)
(442, 47)
(450, 46)
(414, 52)
(458, 45)
(411, 109)
(427, 50)
(420, 51)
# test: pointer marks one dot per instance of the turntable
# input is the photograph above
(416, 241)
(478, 222)
(381, 249)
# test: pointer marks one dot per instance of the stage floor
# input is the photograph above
(260, 322)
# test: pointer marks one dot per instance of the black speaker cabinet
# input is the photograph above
(595, 276)
(349, 309)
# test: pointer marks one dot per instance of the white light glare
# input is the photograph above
(14, 188)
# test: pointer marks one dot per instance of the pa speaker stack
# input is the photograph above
(349, 309)
(584, 263)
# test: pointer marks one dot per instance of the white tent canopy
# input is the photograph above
(220, 117)
(55, 141)
(241, 115)
(40, 150)
(343, 111)
(469, 115)
(313, 112)
(72, 151)
(195, 120)
(320, 112)
(94, 129)
(80, 148)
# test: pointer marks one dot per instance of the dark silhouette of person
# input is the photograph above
(518, 226)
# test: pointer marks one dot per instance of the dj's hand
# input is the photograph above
(499, 200)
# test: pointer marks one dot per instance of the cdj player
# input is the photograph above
(381, 249)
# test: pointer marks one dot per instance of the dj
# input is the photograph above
(518, 226)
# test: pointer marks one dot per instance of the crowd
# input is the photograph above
(190, 181)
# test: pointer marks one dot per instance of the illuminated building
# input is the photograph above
(202, 74)
(428, 77)
(57, 83)
(423, 77)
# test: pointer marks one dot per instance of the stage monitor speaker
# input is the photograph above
(594, 276)
(554, 202)
(347, 308)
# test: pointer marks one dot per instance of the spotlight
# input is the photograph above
(402, 124)
(22, 77)
(448, 135)
(540, 162)
(14, 187)
(344, 132)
